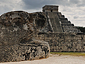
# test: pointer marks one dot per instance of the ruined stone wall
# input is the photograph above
(16, 37)
(69, 42)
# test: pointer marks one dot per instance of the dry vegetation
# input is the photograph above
(69, 53)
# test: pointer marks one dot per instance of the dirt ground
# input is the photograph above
(54, 59)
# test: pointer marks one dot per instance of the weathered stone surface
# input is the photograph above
(23, 35)
(14, 27)
(64, 42)
(17, 41)
(29, 51)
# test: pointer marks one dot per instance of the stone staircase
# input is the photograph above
(54, 21)
(66, 25)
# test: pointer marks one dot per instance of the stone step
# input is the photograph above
(67, 24)
(70, 29)
(65, 21)
(63, 18)
(60, 15)
(69, 21)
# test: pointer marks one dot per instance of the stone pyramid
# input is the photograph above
(56, 22)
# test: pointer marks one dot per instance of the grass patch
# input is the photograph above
(69, 53)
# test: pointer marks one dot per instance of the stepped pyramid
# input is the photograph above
(56, 22)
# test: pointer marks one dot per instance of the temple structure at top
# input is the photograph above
(50, 8)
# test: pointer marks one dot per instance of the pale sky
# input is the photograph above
(74, 10)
